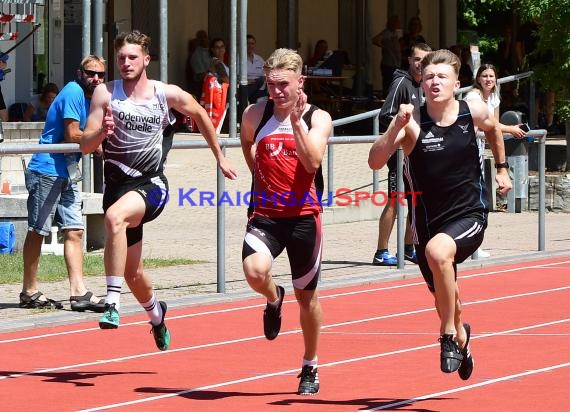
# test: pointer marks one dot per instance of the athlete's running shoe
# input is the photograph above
(384, 258)
(411, 256)
(466, 367)
(160, 332)
(309, 384)
(110, 318)
(272, 316)
(451, 356)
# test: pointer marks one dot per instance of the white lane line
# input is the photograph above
(325, 365)
(294, 331)
(468, 387)
(247, 307)
(414, 312)
(402, 333)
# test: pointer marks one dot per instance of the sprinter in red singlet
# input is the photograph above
(283, 142)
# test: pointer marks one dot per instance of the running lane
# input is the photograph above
(379, 351)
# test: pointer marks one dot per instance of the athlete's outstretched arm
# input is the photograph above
(492, 129)
(186, 104)
(403, 130)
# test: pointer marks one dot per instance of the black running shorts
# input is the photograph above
(300, 235)
(468, 235)
(153, 190)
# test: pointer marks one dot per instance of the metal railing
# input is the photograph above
(15, 148)
(540, 135)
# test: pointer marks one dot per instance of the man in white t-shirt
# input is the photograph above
(255, 75)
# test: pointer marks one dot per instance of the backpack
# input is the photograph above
(7, 237)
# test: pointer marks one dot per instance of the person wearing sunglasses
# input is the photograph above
(54, 197)
(131, 118)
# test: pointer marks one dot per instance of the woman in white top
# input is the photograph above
(486, 88)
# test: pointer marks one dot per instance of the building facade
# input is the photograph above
(53, 51)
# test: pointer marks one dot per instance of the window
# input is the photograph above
(40, 50)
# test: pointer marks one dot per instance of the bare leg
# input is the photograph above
(440, 252)
(408, 236)
(386, 224)
(139, 283)
(461, 335)
(126, 212)
(73, 254)
(257, 270)
(311, 319)
(31, 256)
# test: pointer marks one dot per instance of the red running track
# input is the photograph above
(379, 351)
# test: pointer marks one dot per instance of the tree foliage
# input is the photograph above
(475, 13)
(552, 18)
(552, 54)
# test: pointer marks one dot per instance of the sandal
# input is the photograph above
(83, 303)
(34, 302)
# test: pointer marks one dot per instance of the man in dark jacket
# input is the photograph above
(405, 88)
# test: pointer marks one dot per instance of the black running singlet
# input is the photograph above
(445, 167)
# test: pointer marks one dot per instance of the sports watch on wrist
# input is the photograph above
(504, 165)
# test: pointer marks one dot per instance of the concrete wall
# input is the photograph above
(184, 20)
(11, 168)
(378, 11)
(557, 197)
(317, 20)
(262, 15)
(13, 209)
(429, 14)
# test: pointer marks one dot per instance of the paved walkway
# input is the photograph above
(190, 232)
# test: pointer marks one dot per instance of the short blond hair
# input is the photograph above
(92, 58)
(442, 56)
(285, 59)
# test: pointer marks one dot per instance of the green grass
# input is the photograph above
(52, 268)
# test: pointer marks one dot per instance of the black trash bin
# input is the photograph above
(516, 151)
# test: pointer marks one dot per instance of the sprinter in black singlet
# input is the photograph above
(131, 119)
(450, 207)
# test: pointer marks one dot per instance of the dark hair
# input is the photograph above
(419, 46)
(133, 37)
(415, 20)
(49, 88)
(214, 41)
(481, 69)
(320, 43)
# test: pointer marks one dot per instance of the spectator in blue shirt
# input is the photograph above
(51, 180)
